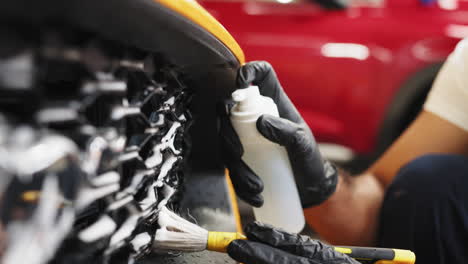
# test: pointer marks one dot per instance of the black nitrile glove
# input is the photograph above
(316, 178)
(268, 245)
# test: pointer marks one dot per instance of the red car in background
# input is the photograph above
(358, 71)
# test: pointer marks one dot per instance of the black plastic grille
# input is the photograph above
(127, 113)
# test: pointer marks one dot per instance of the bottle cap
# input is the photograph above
(250, 105)
(246, 99)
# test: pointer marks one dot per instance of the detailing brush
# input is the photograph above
(178, 234)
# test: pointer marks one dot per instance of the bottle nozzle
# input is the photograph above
(246, 98)
(238, 96)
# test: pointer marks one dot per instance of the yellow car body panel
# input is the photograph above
(197, 14)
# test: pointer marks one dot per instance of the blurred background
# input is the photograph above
(357, 70)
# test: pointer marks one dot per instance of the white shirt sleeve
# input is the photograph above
(448, 97)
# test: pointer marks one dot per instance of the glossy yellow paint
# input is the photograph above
(196, 13)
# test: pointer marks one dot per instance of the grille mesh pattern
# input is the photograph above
(123, 113)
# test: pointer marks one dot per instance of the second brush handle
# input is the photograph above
(219, 241)
(370, 255)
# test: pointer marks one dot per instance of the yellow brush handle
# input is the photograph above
(369, 255)
(219, 241)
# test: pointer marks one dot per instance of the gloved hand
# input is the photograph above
(267, 245)
(316, 178)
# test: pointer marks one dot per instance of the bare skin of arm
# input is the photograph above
(350, 215)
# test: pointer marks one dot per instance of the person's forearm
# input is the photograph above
(350, 215)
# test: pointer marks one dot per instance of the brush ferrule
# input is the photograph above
(219, 241)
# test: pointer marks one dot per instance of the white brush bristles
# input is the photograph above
(178, 234)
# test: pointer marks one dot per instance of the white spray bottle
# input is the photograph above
(282, 207)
